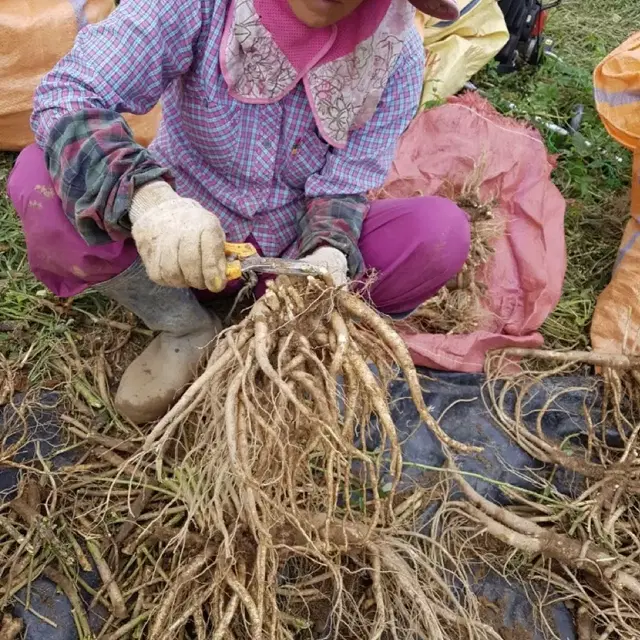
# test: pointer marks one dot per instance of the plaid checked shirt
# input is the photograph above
(263, 169)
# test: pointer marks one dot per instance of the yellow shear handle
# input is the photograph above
(236, 252)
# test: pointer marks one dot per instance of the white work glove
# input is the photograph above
(180, 243)
(334, 261)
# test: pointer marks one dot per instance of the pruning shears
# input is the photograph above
(243, 259)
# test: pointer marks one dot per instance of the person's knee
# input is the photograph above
(443, 235)
(29, 173)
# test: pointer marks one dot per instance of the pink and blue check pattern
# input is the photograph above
(255, 166)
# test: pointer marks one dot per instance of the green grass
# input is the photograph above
(37, 331)
(593, 181)
(24, 322)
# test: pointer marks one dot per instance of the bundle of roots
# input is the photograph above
(267, 498)
(269, 449)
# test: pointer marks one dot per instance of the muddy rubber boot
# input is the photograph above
(160, 374)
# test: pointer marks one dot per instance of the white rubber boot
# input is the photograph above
(161, 373)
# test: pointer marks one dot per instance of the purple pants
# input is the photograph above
(415, 245)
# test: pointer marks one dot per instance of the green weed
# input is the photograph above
(592, 171)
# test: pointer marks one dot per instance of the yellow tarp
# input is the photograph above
(616, 321)
(456, 51)
(34, 35)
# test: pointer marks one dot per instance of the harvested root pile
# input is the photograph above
(585, 546)
(269, 504)
(264, 505)
(459, 306)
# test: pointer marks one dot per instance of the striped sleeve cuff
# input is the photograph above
(96, 165)
(334, 222)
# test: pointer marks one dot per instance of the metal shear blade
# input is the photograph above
(243, 259)
(281, 266)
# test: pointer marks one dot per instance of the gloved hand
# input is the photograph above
(180, 243)
(333, 260)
